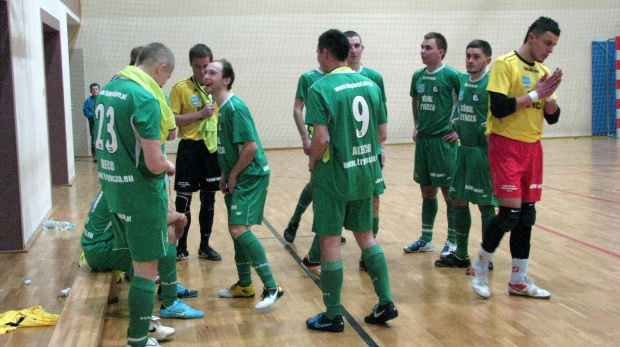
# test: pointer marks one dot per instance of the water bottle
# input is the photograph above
(56, 225)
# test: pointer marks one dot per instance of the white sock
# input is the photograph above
(519, 270)
(483, 259)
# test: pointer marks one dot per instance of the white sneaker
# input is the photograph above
(158, 331)
(447, 249)
(150, 342)
(527, 288)
(269, 297)
(419, 246)
(479, 280)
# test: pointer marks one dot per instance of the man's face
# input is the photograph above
(429, 52)
(475, 60)
(199, 67)
(94, 91)
(213, 80)
(355, 50)
(543, 45)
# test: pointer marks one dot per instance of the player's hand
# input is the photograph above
(232, 182)
(223, 184)
(208, 111)
(415, 134)
(172, 134)
(171, 169)
(305, 141)
(547, 85)
(450, 136)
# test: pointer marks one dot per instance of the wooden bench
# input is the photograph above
(81, 320)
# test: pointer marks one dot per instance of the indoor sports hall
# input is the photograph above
(52, 50)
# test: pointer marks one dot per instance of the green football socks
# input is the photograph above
(332, 275)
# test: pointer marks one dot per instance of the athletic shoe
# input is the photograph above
(290, 232)
(479, 280)
(150, 342)
(322, 323)
(209, 254)
(490, 268)
(527, 288)
(180, 310)
(343, 239)
(182, 255)
(313, 267)
(158, 331)
(182, 292)
(363, 265)
(269, 297)
(382, 313)
(453, 261)
(447, 249)
(419, 246)
(237, 291)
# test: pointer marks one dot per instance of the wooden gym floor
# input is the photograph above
(575, 255)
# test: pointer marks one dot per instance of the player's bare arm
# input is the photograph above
(318, 145)
(250, 148)
(185, 119)
(155, 160)
(414, 109)
(298, 115)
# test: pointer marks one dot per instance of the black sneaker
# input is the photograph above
(322, 323)
(451, 260)
(209, 254)
(381, 314)
(290, 232)
(343, 239)
(363, 265)
(182, 254)
(489, 268)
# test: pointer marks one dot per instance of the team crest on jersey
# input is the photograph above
(526, 82)
(476, 97)
(461, 95)
(195, 100)
(421, 88)
(435, 89)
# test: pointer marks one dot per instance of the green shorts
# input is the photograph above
(105, 256)
(246, 204)
(472, 178)
(435, 160)
(330, 215)
(143, 230)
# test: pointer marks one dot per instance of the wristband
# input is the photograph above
(533, 95)
(549, 98)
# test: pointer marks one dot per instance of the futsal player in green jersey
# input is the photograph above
(433, 92)
(101, 254)
(471, 181)
(303, 84)
(349, 120)
(521, 96)
(132, 167)
(354, 61)
(244, 182)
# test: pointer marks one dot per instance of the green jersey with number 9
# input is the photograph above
(351, 106)
(124, 113)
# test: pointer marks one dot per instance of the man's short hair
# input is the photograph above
(133, 56)
(336, 43)
(483, 45)
(227, 72)
(94, 85)
(154, 54)
(200, 51)
(440, 40)
(542, 25)
(351, 33)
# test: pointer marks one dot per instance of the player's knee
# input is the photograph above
(207, 198)
(182, 203)
(507, 218)
(528, 214)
